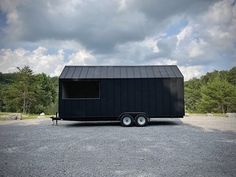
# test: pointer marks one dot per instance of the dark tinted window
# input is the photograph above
(80, 89)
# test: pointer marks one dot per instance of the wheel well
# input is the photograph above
(133, 114)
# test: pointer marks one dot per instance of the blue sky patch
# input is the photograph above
(3, 19)
(175, 28)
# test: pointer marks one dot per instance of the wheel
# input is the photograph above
(126, 120)
(141, 120)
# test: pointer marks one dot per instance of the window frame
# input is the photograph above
(81, 80)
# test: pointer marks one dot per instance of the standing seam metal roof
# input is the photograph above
(106, 72)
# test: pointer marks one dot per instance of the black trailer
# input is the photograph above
(130, 94)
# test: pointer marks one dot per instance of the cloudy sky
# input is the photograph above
(197, 35)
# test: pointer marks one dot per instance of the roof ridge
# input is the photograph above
(116, 65)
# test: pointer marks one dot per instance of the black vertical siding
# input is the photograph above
(165, 96)
(117, 97)
(60, 105)
(124, 95)
(158, 97)
(180, 97)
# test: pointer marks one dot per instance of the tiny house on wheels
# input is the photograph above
(130, 94)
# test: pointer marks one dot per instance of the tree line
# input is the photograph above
(215, 92)
(24, 91)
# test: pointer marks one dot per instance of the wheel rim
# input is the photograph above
(141, 120)
(127, 121)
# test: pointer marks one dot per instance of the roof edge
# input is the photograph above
(70, 69)
(115, 65)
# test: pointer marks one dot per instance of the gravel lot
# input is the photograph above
(193, 146)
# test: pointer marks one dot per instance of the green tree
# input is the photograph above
(1, 97)
(5, 80)
(218, 95)
(20, 95)
(53, 107)
(232, 76)
(26, 92)
(192, 94)
(46, 93)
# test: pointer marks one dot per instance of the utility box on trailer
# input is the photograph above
(131, 94)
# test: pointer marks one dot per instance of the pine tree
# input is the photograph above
(20, 95)
(217, 95)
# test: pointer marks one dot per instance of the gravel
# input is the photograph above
(193, 146)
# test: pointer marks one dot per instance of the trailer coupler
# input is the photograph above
(55, 119)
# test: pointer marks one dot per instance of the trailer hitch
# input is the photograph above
(55, 119)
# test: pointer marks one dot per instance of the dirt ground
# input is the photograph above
(210, 123)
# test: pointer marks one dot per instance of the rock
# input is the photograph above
(14, 116)
(186, 114)
(42, 114)
(19, 116)
(209, 114)
(233, 114)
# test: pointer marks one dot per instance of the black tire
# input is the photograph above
(126, 120)
(141, 120)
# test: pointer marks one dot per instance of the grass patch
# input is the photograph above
(29, 116)
(6, 115)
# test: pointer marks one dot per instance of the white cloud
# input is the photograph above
(195, 48)
(190, 72)
(41, 61)
(221, 12)
(164, 61)
(118, 32)
(81, 57)
(152, 44)
(122, 5)
(209, 38)
(185, 33)
(97, 26)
